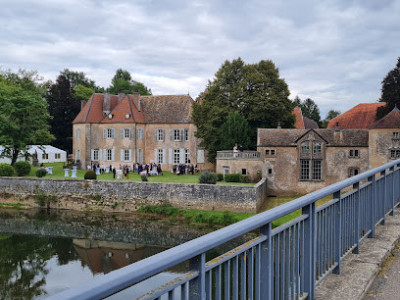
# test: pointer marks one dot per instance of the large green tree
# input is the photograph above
(76, 78)
(255, 91)
(390, 92)
(122, 81)
(23, 116)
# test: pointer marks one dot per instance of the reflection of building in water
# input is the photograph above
(104, 257)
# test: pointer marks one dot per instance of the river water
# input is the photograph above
(44, 252)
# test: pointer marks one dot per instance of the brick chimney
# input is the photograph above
(121, 96)
(136, 100)
(107, 104)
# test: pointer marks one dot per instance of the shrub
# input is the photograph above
(90, 175)
(22, 168)
(232, 177)
(6, 170)
(41, 172)
(244, 178)
(44, 199)
(258, 177)
(208, 178)
(220, 177)
(144, 178)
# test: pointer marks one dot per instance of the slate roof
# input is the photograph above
(391, 120)
(361, 116)
(310, 124)
(145, 109)
(334, 138)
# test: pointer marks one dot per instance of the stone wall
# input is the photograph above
(129, 196)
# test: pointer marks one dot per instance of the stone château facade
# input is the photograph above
(299, 161)
(127, 129)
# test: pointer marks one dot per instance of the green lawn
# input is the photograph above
(58, 173)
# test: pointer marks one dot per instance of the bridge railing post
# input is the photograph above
(338, 231)
(309, 268)
(392, 187)
(371, 206)
(357, 220)
(197, 286)
(266, 275)
(382, 198)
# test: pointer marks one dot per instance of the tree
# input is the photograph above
(331, 115)
(79, 78)
(23, 117)
(82, 92)
(122, 81)
(235, 130)
(309, 109)
(390, 92)
(63, 107)
(255, 91)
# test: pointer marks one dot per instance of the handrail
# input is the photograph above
(125, 277)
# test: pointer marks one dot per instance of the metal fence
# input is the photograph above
(285, 262)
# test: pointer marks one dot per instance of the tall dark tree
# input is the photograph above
(122, 81)
(235, 130)
(255, 91)
(63, 107)
(390, 91)
(79, 78)
(23, 116)
(309, 109)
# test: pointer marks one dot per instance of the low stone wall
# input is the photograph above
(129, 196)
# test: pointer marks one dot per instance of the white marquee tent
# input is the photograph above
(45, 154)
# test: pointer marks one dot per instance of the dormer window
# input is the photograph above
(110, 116)
(127, 116)
(317, 147)
(305, 147)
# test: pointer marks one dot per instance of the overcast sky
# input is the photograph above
(334, 52)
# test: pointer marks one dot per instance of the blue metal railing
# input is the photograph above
(280, 263)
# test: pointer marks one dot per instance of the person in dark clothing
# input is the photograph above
(114, 172)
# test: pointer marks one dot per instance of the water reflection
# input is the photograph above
(42, 254)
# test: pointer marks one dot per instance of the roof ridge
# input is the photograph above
(90, 106)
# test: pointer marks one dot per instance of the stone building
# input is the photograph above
(125, 129)
(299, 161)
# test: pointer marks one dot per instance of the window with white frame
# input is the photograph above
(127, 133)
(57, 156)
(177, 135)
(139, 156)
(45, 156)
(96, 154)
(109, 154)
(317, 169)
(394, 154)
(396, 135)
(176, 156)
(305, 147)
(78, 154)
(127, 156)
(187, 156)
(109, 133)
(270, 152)
(160, 156)
(78, 134)
(317, 147)
(160, 134)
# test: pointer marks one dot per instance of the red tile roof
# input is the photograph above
(299, 124)
(141, 109)
(391, 120)
(361, 116)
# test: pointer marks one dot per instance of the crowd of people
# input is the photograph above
(150, 169)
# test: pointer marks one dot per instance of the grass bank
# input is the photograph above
(223, 218)
(58, 173)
